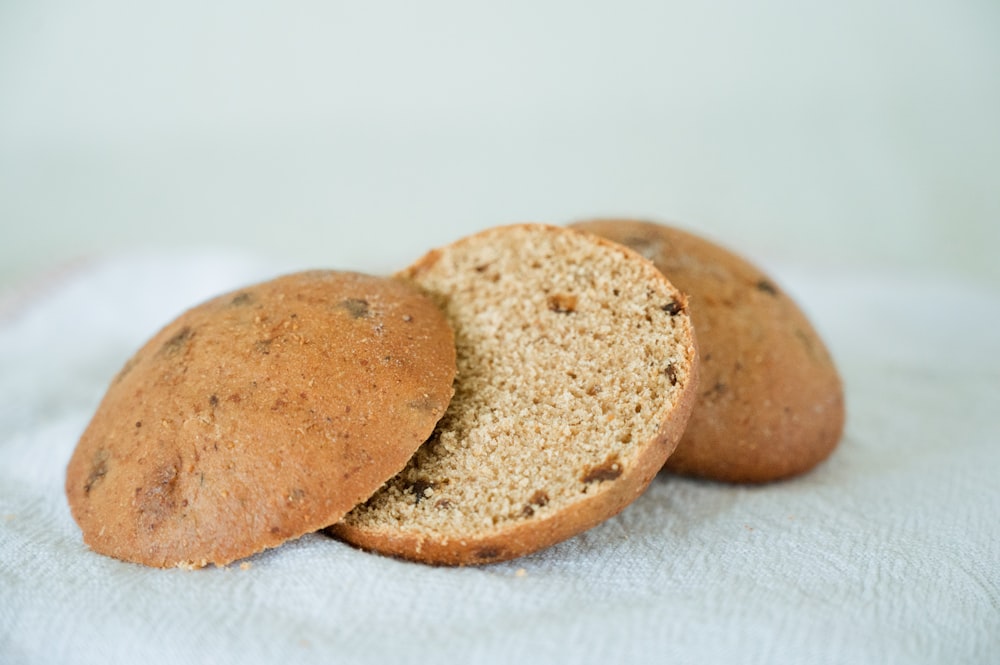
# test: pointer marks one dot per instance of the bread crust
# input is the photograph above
(606, 498)
(259, 416)
(771, 404)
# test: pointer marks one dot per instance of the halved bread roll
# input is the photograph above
(576, 374)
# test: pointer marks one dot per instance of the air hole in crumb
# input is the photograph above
(539, 498)
(420, 488)
(563, 303)
(609, 469)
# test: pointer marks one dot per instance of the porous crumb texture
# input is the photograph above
(259, 416)
(576, 363)
(771, 402)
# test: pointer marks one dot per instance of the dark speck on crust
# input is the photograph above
(673, 307)
(241, 299)
(806, 342)
(718, 389)
(98, 469)
(356, 307)
(767, 287)
(487, 553)
(157, 501)
(176, 344)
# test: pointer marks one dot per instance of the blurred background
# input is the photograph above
(843, 135)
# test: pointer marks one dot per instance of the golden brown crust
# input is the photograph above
(259, 416)
(771, 403)
(608, 491)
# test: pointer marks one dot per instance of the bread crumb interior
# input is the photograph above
(570, 355)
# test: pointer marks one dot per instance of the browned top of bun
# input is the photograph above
(259, 416)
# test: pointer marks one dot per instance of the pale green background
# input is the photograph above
(358, 134)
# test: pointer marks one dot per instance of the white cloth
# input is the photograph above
(887, 553)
